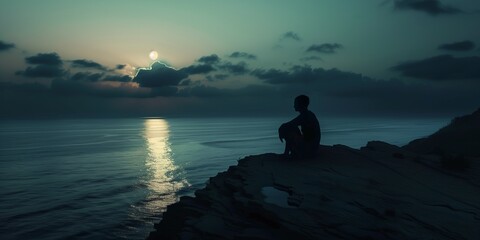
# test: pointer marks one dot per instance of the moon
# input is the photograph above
(153, 55)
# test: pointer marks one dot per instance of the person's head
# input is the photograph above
(301, 103)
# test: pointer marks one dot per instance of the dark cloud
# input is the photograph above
(217, 77)
(349, 93)
(83, 63)
(50, 65)
(8, 87)
(213, 62)
(198, 69)
(69, 88)
(236, 69)
(186, 82)
(432, 7)
(159, 75)
(303, 74)
(275, 75)
(443, 67)
(120, 66)
(45, 59)
(332, 91)
(42, 71)
(243, 55)
(165, 91)
(226, 94)
(458, 46)
(311, 58)
(325, 48)
(212, 59)
(221, 76)
(202, 91)
(6, 46)
(117, 78)
(291, 35)
(79, 76)
(86, 76)
(47, 65)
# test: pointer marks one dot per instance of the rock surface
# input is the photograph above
(460, 137)
(378, 192)
(429, 189)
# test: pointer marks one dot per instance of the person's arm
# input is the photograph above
(296, 121)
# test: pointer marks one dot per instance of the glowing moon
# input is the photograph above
(153, 55)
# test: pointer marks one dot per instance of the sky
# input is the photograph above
(401, 58)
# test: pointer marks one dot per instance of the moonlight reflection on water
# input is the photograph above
(165, 177)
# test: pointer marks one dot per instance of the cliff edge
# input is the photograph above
(460, 137)
(380, 191)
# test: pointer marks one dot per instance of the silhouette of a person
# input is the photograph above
(301, 143)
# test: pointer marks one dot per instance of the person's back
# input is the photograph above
(310, 127)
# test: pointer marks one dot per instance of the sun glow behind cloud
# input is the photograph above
(138, 69)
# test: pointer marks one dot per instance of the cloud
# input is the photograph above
(212, 59)
(244, 55)
(6, 46)
(41, 71)
(217, 77)
(8, 87)
(274, 75)
(86, 76)
(332, 91)
(342, 92)
(117, 78)
(432, 7)
(236, 69)
(257, 91)
(202, 91)
(213, 63)
(328, 48)
(83, 63)
(50, 65)
(162, 90)
(95, 77)
(291, 35)
(45, 59)
(443, 67)
(198, 69)
(47, 65)
(159, 75)
(166, 91)
(304, 74)
(458, 46)
(98, 89)
(311, 58)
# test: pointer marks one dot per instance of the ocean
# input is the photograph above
(113, 178)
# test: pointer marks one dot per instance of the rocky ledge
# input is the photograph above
(380, 191)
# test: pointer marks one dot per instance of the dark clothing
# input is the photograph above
(308, 125)
(307, 144)
(292, 136)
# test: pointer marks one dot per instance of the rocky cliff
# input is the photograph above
(460, 137)
(380, 191)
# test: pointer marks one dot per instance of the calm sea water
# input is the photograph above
(112, 178)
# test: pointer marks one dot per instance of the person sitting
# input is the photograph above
(301, 143)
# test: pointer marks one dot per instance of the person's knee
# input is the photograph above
(287, 132)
